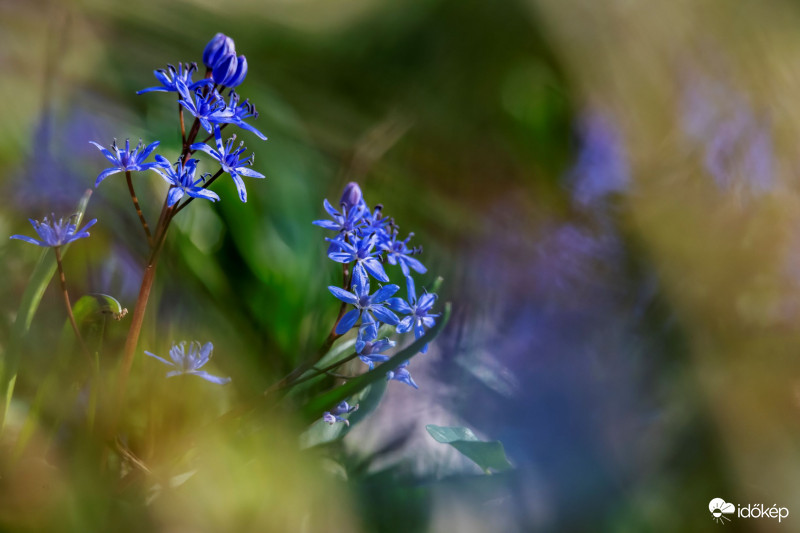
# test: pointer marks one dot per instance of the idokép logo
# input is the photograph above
(719, 508)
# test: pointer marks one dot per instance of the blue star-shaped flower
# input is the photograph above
(181, 179)
(362, 253)
(365, 305)
(169, 78)
(418, 311)
(230, 161)
(345, 223)
(397, 251)
(334, 415)
(370, 352)
(240, 111)
(189, 362)
(401, 374)
(126, 160)
(56, 233)
(207, 108)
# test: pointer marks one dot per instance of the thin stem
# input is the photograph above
(183, 127)
(71, 316)
(138, 208)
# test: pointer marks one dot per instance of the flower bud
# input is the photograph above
(351, 195)
(225, 70)
(217, 49)
(238, 77)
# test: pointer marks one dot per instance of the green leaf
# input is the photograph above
(486, 454)
(40, 279)
(325, 401)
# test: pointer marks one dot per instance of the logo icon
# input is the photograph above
(719, 508)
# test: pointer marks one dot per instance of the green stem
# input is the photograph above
(68, 305)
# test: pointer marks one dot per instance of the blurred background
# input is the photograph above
(609, 190)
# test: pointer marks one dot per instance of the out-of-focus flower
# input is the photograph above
(190, 361)
(217, 50)
(169, 77)
(370, 352)
(602, 167)
(365, 305)
(418, 311)
(126, 160)
(401, 374)
(230, 160)
(181, 178)
(54, 232)
(335, 415)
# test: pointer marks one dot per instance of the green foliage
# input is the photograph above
(489, 455)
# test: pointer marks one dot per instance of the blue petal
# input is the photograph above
(174, 195)
(343, 295)
(383, 293)
(384, 315)
(106, 173)
(347, 321)
(376, 269)
(30, 240)
(399, 305)
(209, 377)
(405, 325)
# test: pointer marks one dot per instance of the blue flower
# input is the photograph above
(207, 108)
(126, 160)
(56, 233)
(365, 305)
(230, 160)
(239, 112)
(418, 311)
(370, 352)
(217, 50)
(169, 78)
(362, 253)
(334, 415)
(401, 374)
(397, 251)
(181, 178)
(346, 222)
(189, 362)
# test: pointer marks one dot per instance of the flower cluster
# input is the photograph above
(366, 241)
(206, 102)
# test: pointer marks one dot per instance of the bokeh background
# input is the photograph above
(609, 190)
